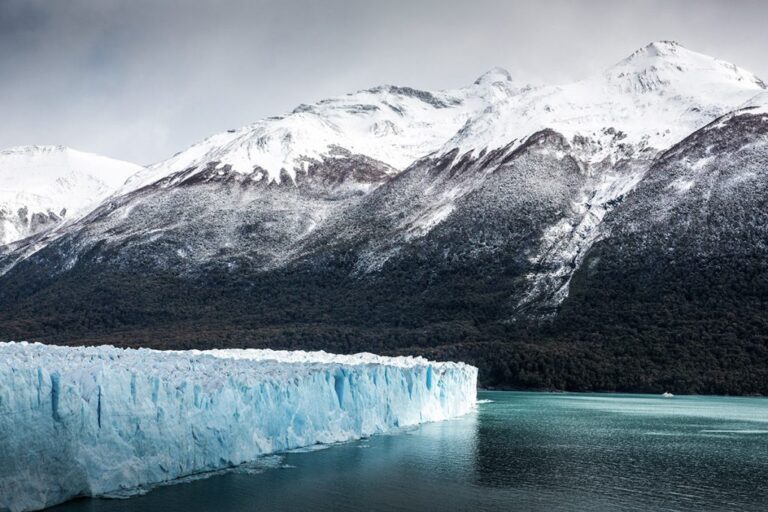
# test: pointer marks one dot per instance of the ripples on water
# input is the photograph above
(519, 451)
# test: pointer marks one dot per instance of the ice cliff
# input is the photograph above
(98, 420)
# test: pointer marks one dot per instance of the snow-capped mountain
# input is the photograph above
(42, 186)
(615, 123)
(394, 125)
(610, 126)
(394, 217)
(385, 167)
(654, 97)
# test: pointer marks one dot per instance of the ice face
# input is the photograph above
(97, 420)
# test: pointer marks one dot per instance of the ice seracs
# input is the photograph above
(42, 186)
(93, 421)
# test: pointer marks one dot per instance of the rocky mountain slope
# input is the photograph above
(583, 236)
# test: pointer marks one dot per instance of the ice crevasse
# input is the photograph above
(90, 421)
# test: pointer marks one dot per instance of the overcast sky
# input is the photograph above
(143, 79)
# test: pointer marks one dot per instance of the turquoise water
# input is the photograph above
(518, 452)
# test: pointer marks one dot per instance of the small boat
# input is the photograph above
(667, 394)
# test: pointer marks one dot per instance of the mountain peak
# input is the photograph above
(494, 75)
(664, 64)
(662, 48)
(659, 51)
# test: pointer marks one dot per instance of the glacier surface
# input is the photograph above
(92, 421)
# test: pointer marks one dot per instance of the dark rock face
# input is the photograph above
(638, 274)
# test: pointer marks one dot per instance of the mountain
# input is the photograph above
(584, 236)
(255, 193)
(655, 97)
(43, 186)
(389, 124)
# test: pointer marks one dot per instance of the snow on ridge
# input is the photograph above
(41, 165)
(685, 72)
(40, 186)
(98, 420)
(655, 97)
(758, 104)
(395, 125)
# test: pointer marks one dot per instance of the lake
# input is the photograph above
(518, 452)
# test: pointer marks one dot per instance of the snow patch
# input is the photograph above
(682, 185)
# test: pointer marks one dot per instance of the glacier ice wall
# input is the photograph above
(98, 420)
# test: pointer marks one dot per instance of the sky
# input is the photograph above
(143, 79)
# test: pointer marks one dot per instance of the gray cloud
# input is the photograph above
(141, 79)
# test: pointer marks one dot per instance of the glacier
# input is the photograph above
(94, 421)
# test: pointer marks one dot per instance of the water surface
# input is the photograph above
(518, 452)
